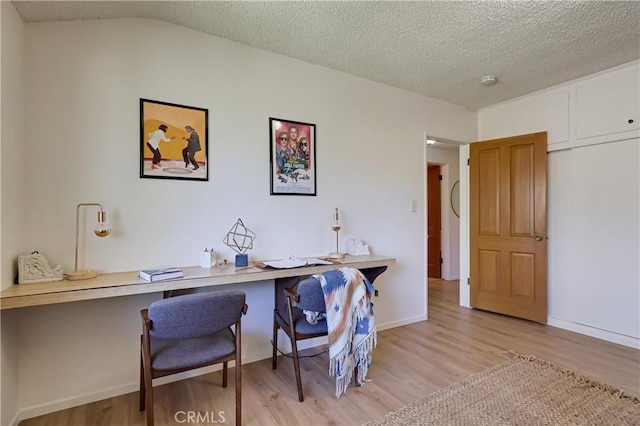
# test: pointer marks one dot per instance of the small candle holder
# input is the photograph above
(336, 228)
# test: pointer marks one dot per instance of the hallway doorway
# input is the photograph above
(442, 224)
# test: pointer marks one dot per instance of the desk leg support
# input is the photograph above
(373, 273)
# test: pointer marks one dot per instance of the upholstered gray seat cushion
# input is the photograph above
(172, 354)
(303, 326)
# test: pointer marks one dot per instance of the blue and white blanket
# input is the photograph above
(351, 325)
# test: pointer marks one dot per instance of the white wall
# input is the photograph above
(11, 195)
(83, 81)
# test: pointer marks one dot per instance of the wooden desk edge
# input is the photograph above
(136, 286)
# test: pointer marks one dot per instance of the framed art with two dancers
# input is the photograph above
(174, 141)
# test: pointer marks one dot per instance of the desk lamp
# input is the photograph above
(101, 230)
(336, 227)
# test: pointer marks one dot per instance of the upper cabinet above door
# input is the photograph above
(601, 108)
(608, 104)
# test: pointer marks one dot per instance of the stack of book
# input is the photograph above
(159, 274)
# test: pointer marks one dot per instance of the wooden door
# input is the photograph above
(508, 226)
(434, 206)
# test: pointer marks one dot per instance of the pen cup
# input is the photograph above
(207, 259)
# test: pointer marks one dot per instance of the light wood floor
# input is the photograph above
(409, 363)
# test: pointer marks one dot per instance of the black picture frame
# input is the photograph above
(293, 166)
(174, 141)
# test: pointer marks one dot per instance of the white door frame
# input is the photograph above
(463, 155)
(465, 243)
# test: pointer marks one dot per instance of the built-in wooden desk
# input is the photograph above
(128, 283)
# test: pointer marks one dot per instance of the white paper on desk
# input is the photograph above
(296, 262)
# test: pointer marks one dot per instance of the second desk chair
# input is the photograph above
(305, 295)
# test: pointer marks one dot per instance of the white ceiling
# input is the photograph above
(439, 49)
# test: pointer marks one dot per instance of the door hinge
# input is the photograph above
(468, 161)
(439, 177)
(468, 281)
(441, 261)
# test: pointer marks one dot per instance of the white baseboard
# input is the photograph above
(74, 401)
(16, 419)
(450, 277)
(595, 332)
(263, 353)
(406, 321)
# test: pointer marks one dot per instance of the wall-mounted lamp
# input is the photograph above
(430, 141)
(101, 230)
(336, 227)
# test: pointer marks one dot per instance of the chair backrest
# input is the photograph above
(311, 295)
(195, 315)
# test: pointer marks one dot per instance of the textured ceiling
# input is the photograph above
(436, 48)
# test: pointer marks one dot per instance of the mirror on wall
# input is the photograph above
(455, 198)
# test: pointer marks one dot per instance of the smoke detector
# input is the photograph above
(488, 80)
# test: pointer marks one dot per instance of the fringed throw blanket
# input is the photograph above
(352, 329)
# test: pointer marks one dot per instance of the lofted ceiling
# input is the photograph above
(439, 49)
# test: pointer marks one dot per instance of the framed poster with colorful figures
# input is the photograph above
(293, 157)
(174, 141)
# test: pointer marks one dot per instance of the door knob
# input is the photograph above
(539, 238)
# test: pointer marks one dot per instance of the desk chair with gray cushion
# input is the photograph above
(186, 332)
(293, 296)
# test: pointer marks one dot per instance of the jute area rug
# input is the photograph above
(521, 391)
